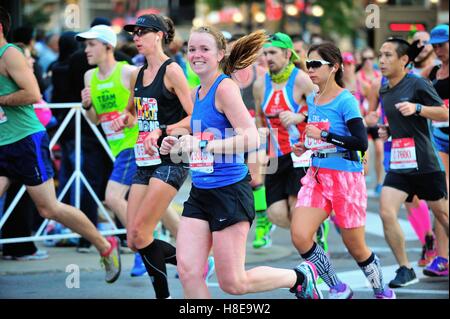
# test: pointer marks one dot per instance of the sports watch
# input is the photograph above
(418, 108)
(324, 135)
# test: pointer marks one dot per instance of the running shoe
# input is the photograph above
(38, 255)
(428, 251)
(437, 268)
(341, 291)
(387, 293)
(110, 261)
(138, 266)
(209, 268)
(263, 230)
(322, 235)
(405, 277)
(308, 289)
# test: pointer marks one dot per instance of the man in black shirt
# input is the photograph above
(415, 168)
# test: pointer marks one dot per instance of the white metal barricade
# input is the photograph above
(77, 178)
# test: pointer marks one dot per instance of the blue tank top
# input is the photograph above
(228, 169)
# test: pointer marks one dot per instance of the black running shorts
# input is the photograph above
(285, 182)
(223, 206)
(429, 186)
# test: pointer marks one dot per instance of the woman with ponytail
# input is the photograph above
(220, 208)
(159, 102)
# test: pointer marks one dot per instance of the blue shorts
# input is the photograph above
(27, 161)
(441, 144)
(124, 167)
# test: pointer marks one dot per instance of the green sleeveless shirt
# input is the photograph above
(16, 122)
(109, 98)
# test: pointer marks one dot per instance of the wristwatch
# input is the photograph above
(324, 135)
(418, 108)
(203, 144)
(163, 129)
(87, 108)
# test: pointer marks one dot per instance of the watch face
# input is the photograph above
(324, 134)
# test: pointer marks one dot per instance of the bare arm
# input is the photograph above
(229, 101)
(22, 75)
(258, 88)
(86, 99)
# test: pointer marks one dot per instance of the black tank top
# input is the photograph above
(155, 104)
(442, 88)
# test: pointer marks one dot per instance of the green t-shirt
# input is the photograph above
(110, 98)
(16, 122)
(193, 79)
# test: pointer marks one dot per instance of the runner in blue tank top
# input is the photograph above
(220, 208)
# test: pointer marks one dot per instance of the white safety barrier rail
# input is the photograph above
(77, 178)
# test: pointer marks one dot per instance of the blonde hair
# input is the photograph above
(244, 53)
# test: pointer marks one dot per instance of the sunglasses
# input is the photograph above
(368, 58)
(315, 64)
(438, 45)
(142, 31)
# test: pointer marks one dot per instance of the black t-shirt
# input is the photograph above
(412, 89)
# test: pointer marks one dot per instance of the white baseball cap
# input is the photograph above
(100, 32)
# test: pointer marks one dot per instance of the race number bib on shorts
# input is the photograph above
(303, 160)
(142, 158)
(317, 145)
(403, 153)
(202, 161)
(3, 117)
(106, 120)
(441, 124)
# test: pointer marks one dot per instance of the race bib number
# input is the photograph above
(303, 160)
(106, 120)
(142, 158)
(441, 124)
(3, 117)
(403, 154)
(202, 161)
(317, 145)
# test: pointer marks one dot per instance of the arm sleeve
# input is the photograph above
(358, 139)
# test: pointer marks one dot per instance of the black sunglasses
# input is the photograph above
(142, 31)
(315, 64)
(438, 45)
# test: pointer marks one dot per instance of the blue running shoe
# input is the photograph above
(138, 267)
(308, 289)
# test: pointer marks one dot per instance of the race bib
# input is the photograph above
(403, 153)
(202, 161)
(303, 160)
(441, 124)
(317, 145)
(142, 158)
(106, 120)
(3, 117)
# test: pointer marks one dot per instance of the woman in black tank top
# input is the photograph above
(159, 102)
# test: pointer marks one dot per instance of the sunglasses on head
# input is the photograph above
(315, 64)
(142, 31)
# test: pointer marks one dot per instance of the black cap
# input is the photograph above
(151, 21)
(100, 20)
